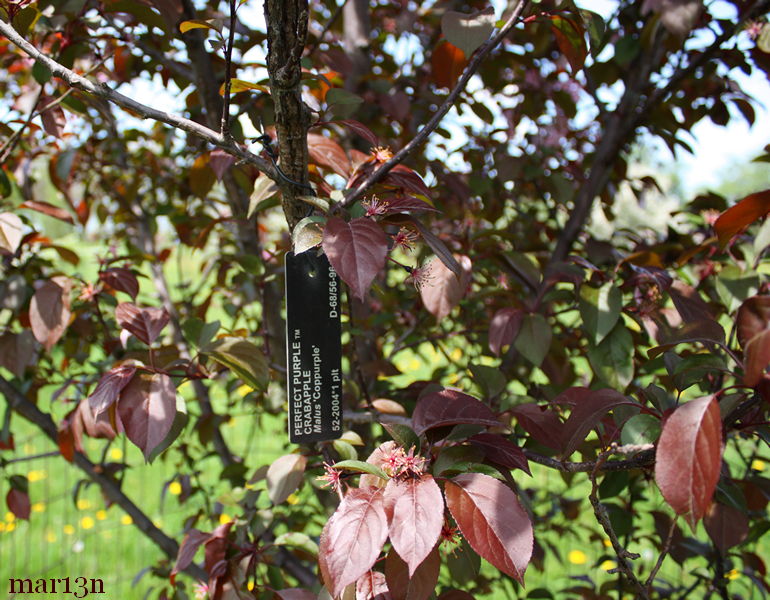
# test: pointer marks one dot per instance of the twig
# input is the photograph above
(604, 520)
(442, 110)
(31, 457)
(103, 91)
(225, 128)
(663, 552)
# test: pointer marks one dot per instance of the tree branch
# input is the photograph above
(442, 110)
(103, 91)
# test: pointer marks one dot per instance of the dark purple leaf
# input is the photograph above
(501, 451)
(220, 161)
(503, 328)
(438, 247)
(357, 250)
(587, 411)
(726, 526)
(422, 582)
(403, 204)
(145, 323)
(121, 280)
(361, 130)
(402, 176)
(450, 407)
(109, 387)
(18, 503)
(147, 409)
(190, 544)
(543, 425)
(49, 311)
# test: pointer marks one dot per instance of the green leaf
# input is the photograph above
(359, 466)
(640, 429)
(243, 358)
(198, 333)
(763, 41)
(5, 184)
(40, 72)
(345, 450)
(570, 39)
(26, 19)
(600, 309)
(491, 380)
(612, 360)
(297, 539)
(534, 338)
(403, 435)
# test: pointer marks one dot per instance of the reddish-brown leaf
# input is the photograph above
(147, 409)
(361, 130)
(54, 119)
(570, 39)
(145, 323)
(726, 526)
(543, 425)
(504, 327)
(352, 539)
(66, 441)
(325, 152)
(49, 311)
(220, 161)
(753, 329)
(109, 387)
(403, 204)
(17, 351)
(121, 279)
(48, 209)
(187, 549)
(421, 583)
(402, 176)
(95, 427)
(450, 407)
(202, 177)
(439, 247)
(493, 521)
(447, 64)
(689, 457)
(744, 213)
(442, 290)
(357, 250)
(372, 586)
(18, 503)
(416, 518)
(501, 451)
(590, 407)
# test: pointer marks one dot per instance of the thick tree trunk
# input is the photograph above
(286, 34)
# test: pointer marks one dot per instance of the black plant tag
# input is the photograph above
(313, 348)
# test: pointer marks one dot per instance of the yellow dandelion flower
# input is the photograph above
(38, 507)
(2, 526)
(101, 515)
(50, 537)
(244, 389)
(250, 585)
(607, 565)
(453, 378)
(292, 499)
(83, 504)
(116, 454)
(733, 574)
(175, 488)
(577, 557)
(607, 543)
(36, 476)
(10, 527)
(758, 465)
(68, 529)
(126, 520)
(86, 522)
(158, 523)
(224, 518)
(456, 354)
(10, 517)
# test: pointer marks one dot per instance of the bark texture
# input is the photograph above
(286, 34)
